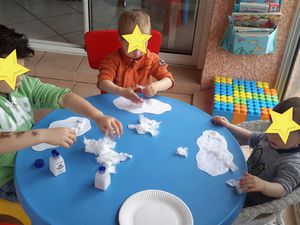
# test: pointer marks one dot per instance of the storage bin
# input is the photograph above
(245, 44)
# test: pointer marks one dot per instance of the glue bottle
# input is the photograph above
(56, 163)
(102, 178)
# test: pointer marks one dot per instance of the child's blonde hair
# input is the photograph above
(129, 19)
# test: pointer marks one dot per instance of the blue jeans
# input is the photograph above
(7, 191)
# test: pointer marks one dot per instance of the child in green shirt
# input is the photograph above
(16, 112)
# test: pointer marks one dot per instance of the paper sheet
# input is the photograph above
(79, 124)
(183, 151)
(146, 126)
(235, 183)
(148, 106)
(105, 153)
(213, 156)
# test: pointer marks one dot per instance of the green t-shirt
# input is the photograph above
(16, 114)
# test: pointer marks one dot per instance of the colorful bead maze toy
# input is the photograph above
(243, 100)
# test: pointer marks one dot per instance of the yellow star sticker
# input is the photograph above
(137, 40)
(10, 69)
(283, 124)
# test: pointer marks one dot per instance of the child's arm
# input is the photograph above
(161, 85)
(109, 87)
(15, 141)
(241, 134)
(251, 183)
(80, 105)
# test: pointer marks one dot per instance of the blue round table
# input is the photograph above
(71, 199)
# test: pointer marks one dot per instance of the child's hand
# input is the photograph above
(150, 90)
(60, 136)
(131, 95)
(220, 121)
(109, 125)
(250, 183)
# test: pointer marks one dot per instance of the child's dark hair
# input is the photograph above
(10, 40)
(288, 103)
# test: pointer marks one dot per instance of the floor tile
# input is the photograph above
(34, 29)
(58, 66)
(8, 16)
(85, 90)
(5, 4)
(85, 73)
(76, 38)
(183, 87)
(186, 74)
(51, 9)
(76, 5)
(31, 62)
(66, 23)
(57, 38)
(186, 79)
(204, 100)
(58, 83)
(35, 59)
(185, 98)
(31, 2)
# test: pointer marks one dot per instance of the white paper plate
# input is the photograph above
(154, 207)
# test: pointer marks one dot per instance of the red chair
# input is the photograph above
(100, 43)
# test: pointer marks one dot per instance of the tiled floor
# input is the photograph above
(74, 72)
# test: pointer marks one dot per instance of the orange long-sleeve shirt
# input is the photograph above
(125, 72)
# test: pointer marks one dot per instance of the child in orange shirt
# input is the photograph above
(123, 73)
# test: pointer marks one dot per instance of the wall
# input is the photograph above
(219, 62)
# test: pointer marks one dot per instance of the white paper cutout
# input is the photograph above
(146, 125)
(183, 151)
(213, 156)
(105, 153)
(235, 183)
(148, 106)
(79, 124)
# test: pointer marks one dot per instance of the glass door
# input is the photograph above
(53, 25)
(60, 25)
(175, 19)
(51, 20)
